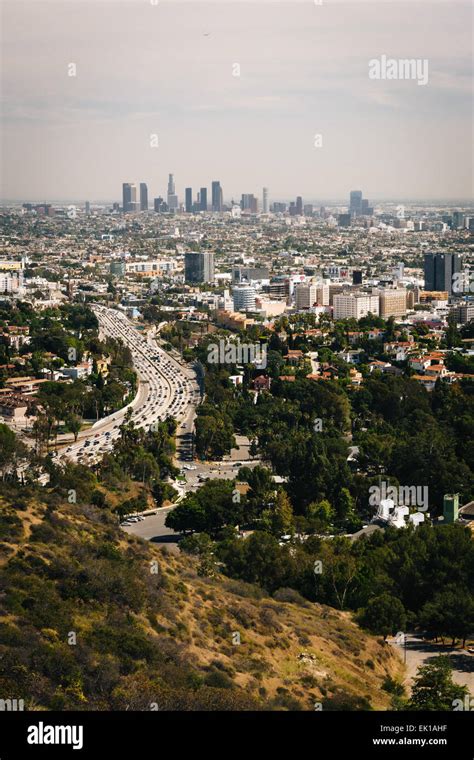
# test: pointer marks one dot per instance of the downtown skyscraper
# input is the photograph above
(188, 199)
(440, 269)
(217, 196)
(143, 196)
(172, 198)
(129, 197)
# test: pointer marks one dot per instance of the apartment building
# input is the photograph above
(393, 302)
(355, 305)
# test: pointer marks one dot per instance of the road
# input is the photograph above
(166, 389)
(153, 528)
(420, 652)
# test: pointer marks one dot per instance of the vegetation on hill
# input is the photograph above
(95, 619)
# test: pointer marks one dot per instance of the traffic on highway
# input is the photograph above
(165, 390)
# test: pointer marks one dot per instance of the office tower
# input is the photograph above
(299, 206)
(249, 203)
(279, 208)
(344, 220)
(188, 194)
(217, 201)
(172, 197)
(244, 297)
(279, 288)
(357, 277)
(305, 295)
(440, 269)
(322, 294)
(355, 202)
(458, 220)
(247, 274)
(88, 208)
(355, 305)
(292, 208)
(308, 209)
(199, 266)
(143, 196)
(265, 201)
(393, 302)
(129, 196)
(203, 199)
(159, 205)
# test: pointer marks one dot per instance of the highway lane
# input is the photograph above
(166, 389)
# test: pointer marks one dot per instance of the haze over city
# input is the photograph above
(235, 91)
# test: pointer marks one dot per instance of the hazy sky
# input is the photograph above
(167, 69)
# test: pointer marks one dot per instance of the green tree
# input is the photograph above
(450, 613)
(384, 615)
(433, 687)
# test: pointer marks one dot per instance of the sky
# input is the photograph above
(165, 71)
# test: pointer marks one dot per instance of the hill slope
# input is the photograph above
(95, 619)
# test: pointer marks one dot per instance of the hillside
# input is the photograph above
(95, 619)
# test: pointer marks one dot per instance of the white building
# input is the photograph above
(355, 305)
(11, 282)
(244, 297)
(305, 295)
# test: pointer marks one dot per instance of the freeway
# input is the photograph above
(166, 389)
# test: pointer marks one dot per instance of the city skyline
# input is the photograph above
(245, 92)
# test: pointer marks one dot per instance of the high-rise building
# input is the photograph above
(188, 202)
(357, 277)
(159, 205)
(458, 220)
(322, 294)
(440, 269)
(203, 199)
(393, 302)
(88, 208)
(355, 202)
(129, 196)
(299, 206)
(143, 196)
(305, 295)
(344, 220)
(265, 201)
(355, 305)
(244, 297)
(217, 196)
(249, 203)
(172, 197)
(242, 274)
(199, 266)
